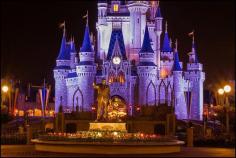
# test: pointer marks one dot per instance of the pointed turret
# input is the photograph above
(146, 54)
(145, 68)
(166, 43)
(86, 46)
(61, 71)
(64, 53)
(176, 66)
(196, 76)
(86, 54)
(193, 55)
(158, 11)
(158, 30)
(146, 47)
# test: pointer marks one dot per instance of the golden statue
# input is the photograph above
(102, 99)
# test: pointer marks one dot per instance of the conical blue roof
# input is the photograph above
(86, 46)
(176, 66)
(158, 12)
(166, 43)
(146, 47)
(64, 52)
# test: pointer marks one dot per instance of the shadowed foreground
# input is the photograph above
(28, 151)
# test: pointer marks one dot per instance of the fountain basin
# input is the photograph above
(108, 147)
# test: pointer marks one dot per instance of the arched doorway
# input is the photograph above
(78, 99)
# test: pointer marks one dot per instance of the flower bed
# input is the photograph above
(105, 136)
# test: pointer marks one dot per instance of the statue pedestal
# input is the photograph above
(105, 126)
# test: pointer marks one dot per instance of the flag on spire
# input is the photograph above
(191, 33)
(86, 16)
(63, 25)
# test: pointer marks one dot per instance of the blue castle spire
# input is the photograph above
(158, 12)
(64, 53)
(166, 43)
(86, 46)
(146, 47)
(176, 66)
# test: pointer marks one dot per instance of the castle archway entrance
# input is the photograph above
(78, 99)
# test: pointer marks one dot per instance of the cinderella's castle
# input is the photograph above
(137, 59)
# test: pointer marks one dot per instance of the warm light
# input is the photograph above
(227, 88)
(142, 135)
(16, 111)
(99, 134)
(115, 133)
(115, 7)
(163, 73)
(37, 112)
(21, 113)
(5, 89)
(221, 91)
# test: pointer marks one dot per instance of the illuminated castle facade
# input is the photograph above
(137, 60)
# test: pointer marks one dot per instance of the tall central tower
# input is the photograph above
(137, 11)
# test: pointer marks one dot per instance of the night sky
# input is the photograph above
(30, 37)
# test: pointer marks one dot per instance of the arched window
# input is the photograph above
(115, 7)
(121, 77)
(111, 77)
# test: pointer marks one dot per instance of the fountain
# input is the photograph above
(107, 134)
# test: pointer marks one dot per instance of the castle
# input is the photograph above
(138, 62)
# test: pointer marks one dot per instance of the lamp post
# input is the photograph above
(5, 90)
(224, 92)
(215, 115)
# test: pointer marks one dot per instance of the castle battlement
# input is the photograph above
(194, 66)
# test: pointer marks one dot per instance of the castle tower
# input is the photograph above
(196, 76)
(147, 73)
(158, 26)
(73, 57)
(178, 86)
(86, 70)
(60, 72)
(137, 11)
(101, 27)
(153, 9)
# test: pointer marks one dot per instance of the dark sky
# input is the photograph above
(30, 37)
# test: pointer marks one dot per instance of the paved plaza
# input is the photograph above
(28, 151)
